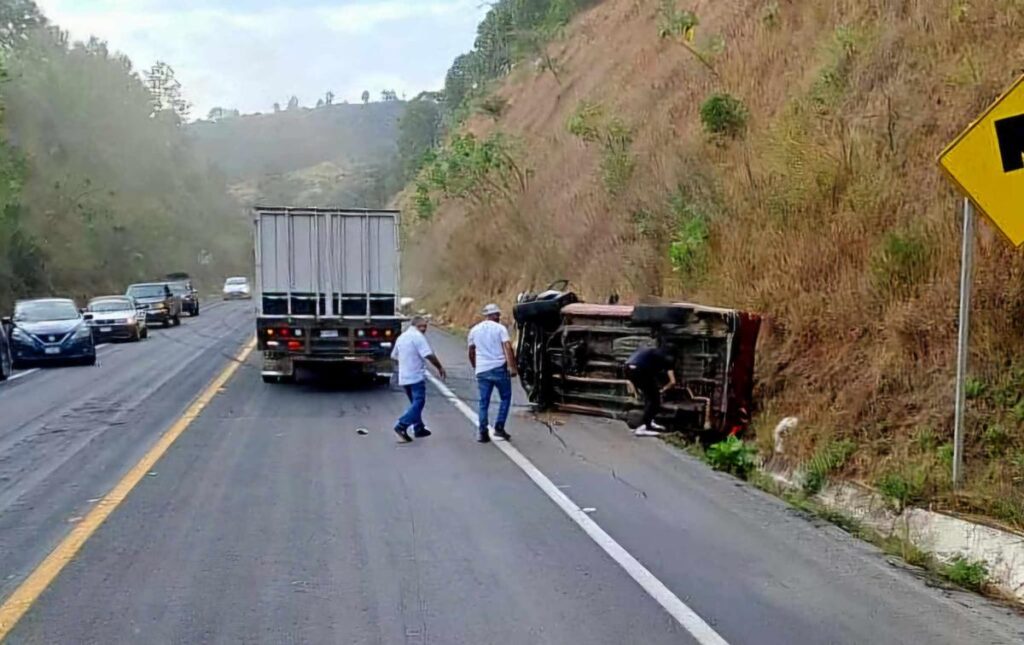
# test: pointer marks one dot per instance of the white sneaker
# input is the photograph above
(644, 431)
(655, 426)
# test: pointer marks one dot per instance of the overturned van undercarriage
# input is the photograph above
(572, 355)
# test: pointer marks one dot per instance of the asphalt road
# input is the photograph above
(273, 519)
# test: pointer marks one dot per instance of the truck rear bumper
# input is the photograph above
(275, 364)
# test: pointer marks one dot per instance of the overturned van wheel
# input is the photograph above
(540, 312)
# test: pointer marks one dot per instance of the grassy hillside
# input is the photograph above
(776, 156)
(332, 155)
(268, 144)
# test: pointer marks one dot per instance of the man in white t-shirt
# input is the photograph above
(412, 352)
(491, 355)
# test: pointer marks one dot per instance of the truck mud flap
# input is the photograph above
(278, 366)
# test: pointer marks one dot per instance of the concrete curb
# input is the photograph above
(943, 536)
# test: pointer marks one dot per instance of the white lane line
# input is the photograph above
(15, 377)
(686, 617)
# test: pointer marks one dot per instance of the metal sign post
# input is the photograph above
(966, 271)
(986, 162)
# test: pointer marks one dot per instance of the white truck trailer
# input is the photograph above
(327, 290)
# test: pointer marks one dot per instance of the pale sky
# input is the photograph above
(249, 54)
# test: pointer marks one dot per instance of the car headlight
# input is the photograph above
(21, 336)
(83, 331)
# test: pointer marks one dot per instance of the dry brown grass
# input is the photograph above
(806, 205)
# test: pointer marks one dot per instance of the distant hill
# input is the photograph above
(253, 146)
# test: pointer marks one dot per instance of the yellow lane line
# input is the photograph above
(37, 582)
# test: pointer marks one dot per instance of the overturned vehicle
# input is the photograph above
(572, 355)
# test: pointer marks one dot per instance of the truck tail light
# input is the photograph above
(294, 344)
(388, 333)
(374, 333)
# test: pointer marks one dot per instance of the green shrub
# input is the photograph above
(945, 453)
(996, 439)
(586, 122)
(902, 488)
(733, 456)
(834, 78)
(675, 22)
(901, 262)
(479, 171)
(974, 387)
(617, 163)
(969, 574)
(688, 251)
(724, 115)
(825, 461)
(423, 202)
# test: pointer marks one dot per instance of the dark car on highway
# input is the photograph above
(117, 318)
(6, 362)
(189, 297)
(162, 305)
(50, 330)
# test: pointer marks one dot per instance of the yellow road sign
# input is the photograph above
(987, 162)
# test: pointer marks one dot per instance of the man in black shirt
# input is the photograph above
(644, 369)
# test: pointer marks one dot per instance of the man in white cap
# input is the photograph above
(491, 355)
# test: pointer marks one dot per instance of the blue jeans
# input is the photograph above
(486, 382)
(413, 417)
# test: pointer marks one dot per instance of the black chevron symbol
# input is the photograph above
(1010, 133)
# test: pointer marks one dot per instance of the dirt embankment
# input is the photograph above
(823, 209)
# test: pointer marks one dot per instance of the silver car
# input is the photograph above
(117, 318)
(237, 288)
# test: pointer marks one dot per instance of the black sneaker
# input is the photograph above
(501, 434)
(403, 436)
(483, 437)
(422, 432)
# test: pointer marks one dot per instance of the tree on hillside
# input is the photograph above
(165, 90)
(366, 96)
(109, 193)
(419, 131)
(329, 98)
(319, 103)
(389, 95)
(277, 107)
(17, 18)
(293, 103)
(219, 114)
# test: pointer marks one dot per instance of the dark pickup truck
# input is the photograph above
(572, 357)
(158, 301)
